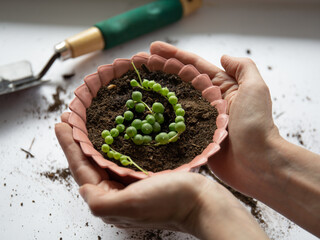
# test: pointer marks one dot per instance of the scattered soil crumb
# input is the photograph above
(58, 103)
(4, 184)
(298, 137)
(87, 224)
(308, 98)
(33, 201)
(67, 76)
(99, 238)
(248, 201)
(21, 204)
(154, 235)
(269, 68)
(248, 51)
(62, 175)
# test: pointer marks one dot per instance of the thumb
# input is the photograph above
(103, 202)
(89, 192)
(94, 196)
(242, 69)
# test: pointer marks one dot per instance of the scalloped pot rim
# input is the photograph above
(93, 82)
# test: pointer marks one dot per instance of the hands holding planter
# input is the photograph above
(189, 202)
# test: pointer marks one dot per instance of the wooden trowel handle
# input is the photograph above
(126, 26)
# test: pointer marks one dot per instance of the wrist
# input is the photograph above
(218, 215)
(291, 184)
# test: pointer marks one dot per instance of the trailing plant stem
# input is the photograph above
(132, 162)
(137, 72)
(146, 105)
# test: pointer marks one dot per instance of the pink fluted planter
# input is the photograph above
(93, 82)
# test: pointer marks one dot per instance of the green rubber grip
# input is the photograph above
(141, 20)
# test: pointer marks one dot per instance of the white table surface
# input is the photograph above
(281, 35)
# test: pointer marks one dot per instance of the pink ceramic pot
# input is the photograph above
(92, 83)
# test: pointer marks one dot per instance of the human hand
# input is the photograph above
(185, 202)
(240, 162)
(155, 202)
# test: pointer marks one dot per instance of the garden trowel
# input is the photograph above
(103, 35)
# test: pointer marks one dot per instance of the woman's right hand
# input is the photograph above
(240, 162)
(255, 159)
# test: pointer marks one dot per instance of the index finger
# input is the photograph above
(168, 51)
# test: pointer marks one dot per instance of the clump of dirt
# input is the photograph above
(248, 201)
(62, 175)
(200, 120)
(298, 136)
(154, 235)
(58, 103)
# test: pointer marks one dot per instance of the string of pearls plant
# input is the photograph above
(139, 131)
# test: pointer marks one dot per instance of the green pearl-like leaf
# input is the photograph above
(105, 148)
(108, 140)
(146, 128)
(138, 139)
(136, 96)
(162, 138)
(105, 133)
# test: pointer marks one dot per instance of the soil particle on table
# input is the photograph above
(298, 136)
(248, 201)
(58, 103)
(153, 235)
(62, 175)
(200, 119)
(248, 51)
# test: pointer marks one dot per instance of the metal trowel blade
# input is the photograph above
(17, 76)
(16, 70)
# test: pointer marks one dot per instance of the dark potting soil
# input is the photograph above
(58, 102)
(200, 119)
(62, 175)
